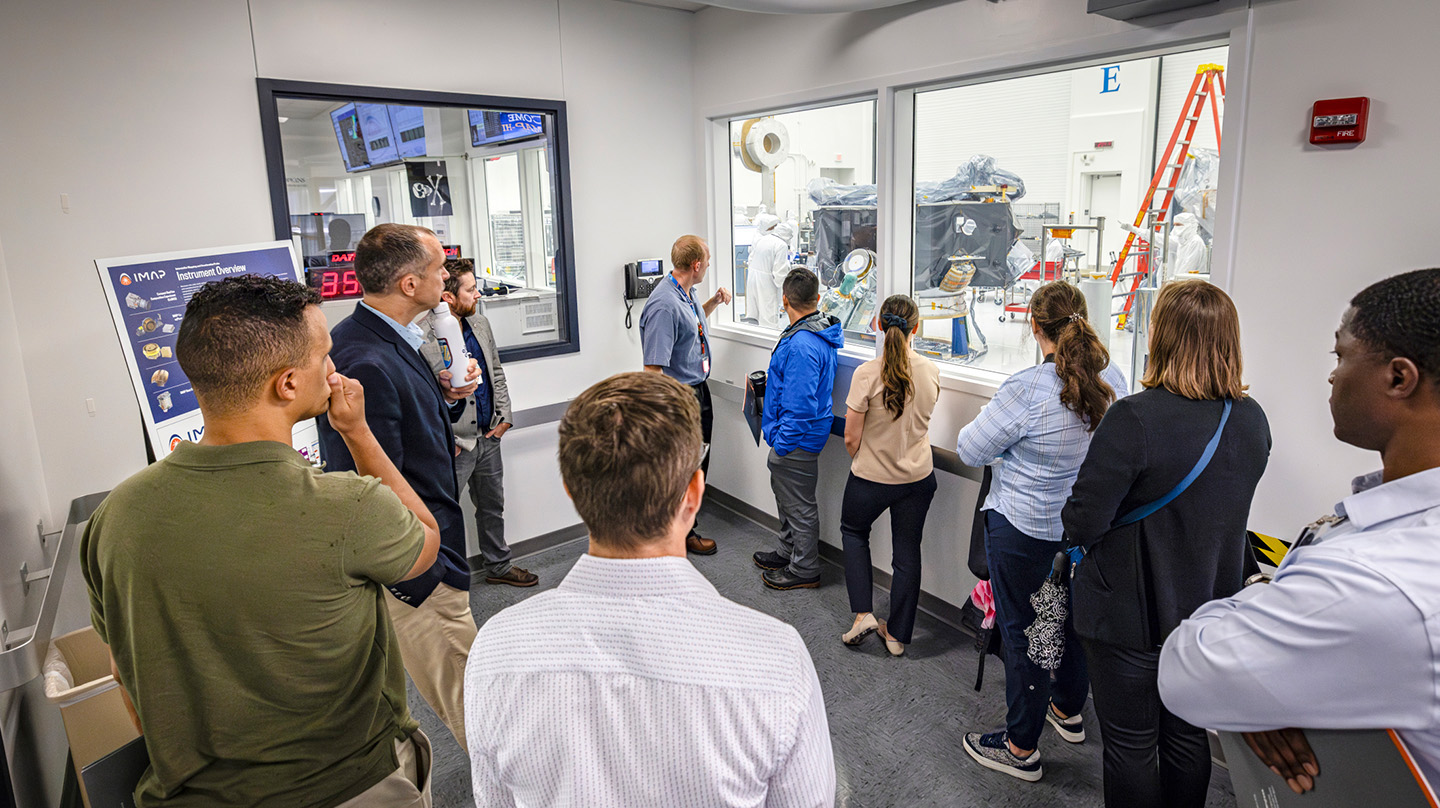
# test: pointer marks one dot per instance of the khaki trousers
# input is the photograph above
(406, 787)
(435, 639)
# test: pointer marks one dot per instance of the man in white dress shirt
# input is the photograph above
(634, 683)
(1347, 636)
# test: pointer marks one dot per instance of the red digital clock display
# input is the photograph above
(337, 284)
(337, 281)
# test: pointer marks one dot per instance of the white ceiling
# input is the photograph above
(778, 6)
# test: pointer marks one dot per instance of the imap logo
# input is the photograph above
(192, 435)
(153, 275)
(125, 279)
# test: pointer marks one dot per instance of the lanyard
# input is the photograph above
(699, 318)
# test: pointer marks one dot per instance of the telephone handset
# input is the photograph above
(641, 278)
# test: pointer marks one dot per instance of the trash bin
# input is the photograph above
(78, 681)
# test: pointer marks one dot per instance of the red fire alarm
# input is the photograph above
(1339, 120)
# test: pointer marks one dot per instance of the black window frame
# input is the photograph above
(270, 90)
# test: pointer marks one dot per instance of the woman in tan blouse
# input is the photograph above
(887, 432)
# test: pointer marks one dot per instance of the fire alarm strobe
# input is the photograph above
(1339, 120)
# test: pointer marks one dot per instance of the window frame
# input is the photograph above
(722, 233)
(558, 143)
(895, 150)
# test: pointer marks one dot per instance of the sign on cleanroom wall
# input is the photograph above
(147, 295)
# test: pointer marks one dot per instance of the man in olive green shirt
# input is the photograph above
(239, 588)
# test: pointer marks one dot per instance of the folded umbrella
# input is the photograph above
(1051, 603)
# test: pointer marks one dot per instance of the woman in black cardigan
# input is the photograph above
(1138, 581)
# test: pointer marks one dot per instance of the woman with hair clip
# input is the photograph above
(887, 432)
(1035, 432)
(1160, 508)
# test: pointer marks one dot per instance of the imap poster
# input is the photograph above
(147, 295)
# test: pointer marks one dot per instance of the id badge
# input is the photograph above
(705, 366)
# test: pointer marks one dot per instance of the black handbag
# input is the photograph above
(977, 561)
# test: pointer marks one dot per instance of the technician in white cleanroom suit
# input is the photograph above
(769, 264)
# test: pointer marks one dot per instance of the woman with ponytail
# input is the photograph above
(1035, 433)
(887, 432)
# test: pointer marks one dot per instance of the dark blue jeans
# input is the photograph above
(1019, 564)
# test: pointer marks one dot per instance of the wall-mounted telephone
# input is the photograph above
(641, 277)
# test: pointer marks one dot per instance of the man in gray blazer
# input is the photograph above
(484, 417)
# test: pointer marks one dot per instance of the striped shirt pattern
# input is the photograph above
(1036, 445)
(634, 683)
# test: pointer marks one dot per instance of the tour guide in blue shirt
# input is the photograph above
(1347, 636)
(799, 408)
(675, 340)
(402, 270)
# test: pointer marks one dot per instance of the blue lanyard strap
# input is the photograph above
(1145, 510)
(699, 318)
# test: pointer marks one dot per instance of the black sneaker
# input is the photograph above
(992, 750)
(785, 579)
(770, 561)
(1071, 730)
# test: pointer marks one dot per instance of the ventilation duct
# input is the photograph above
(1130, 9)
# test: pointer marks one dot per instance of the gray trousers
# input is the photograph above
(793, 479)
(481, 468)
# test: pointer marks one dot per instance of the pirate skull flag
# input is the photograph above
(429, 188)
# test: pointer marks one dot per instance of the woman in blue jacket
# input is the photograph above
(1035, 432)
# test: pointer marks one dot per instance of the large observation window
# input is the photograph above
(1047, 177)
(489, 175)
(787, 210)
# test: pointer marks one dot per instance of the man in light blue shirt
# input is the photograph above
(675, 339)
(1347, 636)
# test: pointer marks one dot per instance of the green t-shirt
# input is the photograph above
(239, 589)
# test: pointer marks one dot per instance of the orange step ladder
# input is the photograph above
(1209, 84)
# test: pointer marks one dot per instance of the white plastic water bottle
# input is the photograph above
(452, 345)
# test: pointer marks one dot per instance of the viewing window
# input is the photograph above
(487, 174)
(802, 193)
(1058, 165)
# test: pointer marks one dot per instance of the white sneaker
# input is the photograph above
(1070, 729)
(992, 750)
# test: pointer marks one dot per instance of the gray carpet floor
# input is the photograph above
(896, 724)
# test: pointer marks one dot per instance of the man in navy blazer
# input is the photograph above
(401, 269)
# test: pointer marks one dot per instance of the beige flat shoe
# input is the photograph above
(857, 632)
(894, 646)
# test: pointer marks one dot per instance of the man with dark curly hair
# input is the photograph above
(1347, 635)
(240, 589)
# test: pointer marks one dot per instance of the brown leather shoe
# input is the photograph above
(514, 577)
(698, 546)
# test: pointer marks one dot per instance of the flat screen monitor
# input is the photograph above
(324, 233)
(408, 124)
(490, 126)
(352, 145)
(381, 147)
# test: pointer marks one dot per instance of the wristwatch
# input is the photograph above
(1259, 578)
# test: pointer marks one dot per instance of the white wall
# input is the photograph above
(145, 113)
(1305, 242)
(32, 731)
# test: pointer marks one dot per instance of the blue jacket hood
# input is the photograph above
(825, 326)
